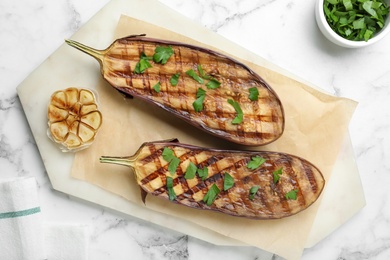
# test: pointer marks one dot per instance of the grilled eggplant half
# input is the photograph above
(251, 184)
(205, 88)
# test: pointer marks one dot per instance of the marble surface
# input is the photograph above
(285, 33)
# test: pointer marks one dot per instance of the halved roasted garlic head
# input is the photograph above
(74, 118)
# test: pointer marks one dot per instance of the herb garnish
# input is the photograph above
(162, 54)
(255, 162)
(171, 191)
(292, 195)
(167, 154)
(175, 79)
(356, 20)
(173, 164)
(213, 84)
(277, 174)
(173, 161)
(202, 73)
(191, 171)
(203, 173)
(253, 94)
(157, 87)
(195, 76)
(239, 117)
(228, 181)
(198, 103)
(253, 191)
(211, 195)
(143, 64)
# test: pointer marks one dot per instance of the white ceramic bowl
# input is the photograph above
(337, 39)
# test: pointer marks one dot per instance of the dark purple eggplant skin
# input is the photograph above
(269, 201)
(263, 119)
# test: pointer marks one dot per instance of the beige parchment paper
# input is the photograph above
(316, 124)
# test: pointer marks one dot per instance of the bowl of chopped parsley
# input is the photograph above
(353, 23)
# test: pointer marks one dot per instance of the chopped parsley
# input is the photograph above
(162, 54)
(255, 162)
(240, 115)
(292, 195)
(143, 64)
(356, 20)
(203, 173)
(202, 73)
(277, 174)
(173, 161)
(253, 191)
(253, 94)
(175, 79)
(167, 154)
(171, 191)
(213, 84)
(198, 103)
(228, 181)
(157, 87)
(173, 164)
(191, 171)
(195, 76)
(211, 195)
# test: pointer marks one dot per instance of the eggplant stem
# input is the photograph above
(97, 54)
(125, 161)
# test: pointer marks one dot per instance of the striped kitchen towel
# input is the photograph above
(21, 235)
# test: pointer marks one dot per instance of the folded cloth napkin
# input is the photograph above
(24, 235)
(21, 235)
(66, 241)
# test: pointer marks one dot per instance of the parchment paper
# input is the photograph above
(316, 124)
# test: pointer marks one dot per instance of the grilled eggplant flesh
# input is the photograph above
(262, 116)
(263, 185)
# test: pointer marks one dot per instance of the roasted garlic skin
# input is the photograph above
(74, 118)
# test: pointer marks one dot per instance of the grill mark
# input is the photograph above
(276, 188)
(262, 195)
(155, 153)
(293, 178)
(310, 176)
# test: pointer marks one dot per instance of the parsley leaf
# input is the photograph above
(175, 79)
(213, 84)
(277, 174)
(173, 164)
(292, 195)
(202, 73)
(173, 161)
(162, 54)
(253, 94)
(143, 64)
(211, 195)
(198, 103)
(228, 181)
(171, 191)
(191, 171)
(157, 87)
(203, 173)
(255, 162)
(240, 115)
(167, 154)
(195, 76)
(253, 191)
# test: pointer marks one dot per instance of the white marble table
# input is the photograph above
(283, 32)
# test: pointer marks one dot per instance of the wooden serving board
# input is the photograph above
(342, 198)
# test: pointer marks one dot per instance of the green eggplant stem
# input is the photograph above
(97, 54)
(125, 161)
